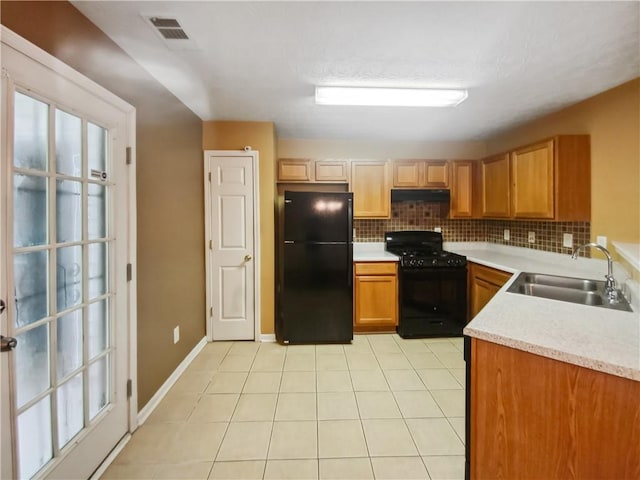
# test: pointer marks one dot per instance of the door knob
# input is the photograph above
(247, 257)
(2, 306)
(7, 343)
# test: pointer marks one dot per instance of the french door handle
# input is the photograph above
(7, 343)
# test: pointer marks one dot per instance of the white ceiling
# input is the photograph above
(260, 61)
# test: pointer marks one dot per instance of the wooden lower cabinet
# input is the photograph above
(484, 283)
(534, 417)
(375, 296)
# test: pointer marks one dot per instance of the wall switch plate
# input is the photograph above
(531, 238)
(438, 229)
(506, 234)
(567, 240)
(354, 233)
(601, 240)
(176, 334)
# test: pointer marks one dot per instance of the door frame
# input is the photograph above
(38, 55)
(208, 239)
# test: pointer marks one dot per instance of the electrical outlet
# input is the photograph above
(532, 237)
(176, 334)
(601, 240)
(507, 234)
(567, 240)
(438, 229)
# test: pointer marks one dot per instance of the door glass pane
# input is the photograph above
(97, 270)
(97, 147)
(30, 274)
(34, 438)
(68, 211)
(70, 409)
(32, 364)
(29, 210)
(98, 328)
(68, 144)
(30, 136)
(97, 211)
(98, 386)
(69, 334)
(69, 275)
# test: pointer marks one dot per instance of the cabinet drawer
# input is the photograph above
(376, 268)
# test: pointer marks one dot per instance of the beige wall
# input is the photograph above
(260, 136)
(326, 148)
(612, 119)
(170, 267)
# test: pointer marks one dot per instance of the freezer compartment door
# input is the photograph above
(318, 216)
(316, 294)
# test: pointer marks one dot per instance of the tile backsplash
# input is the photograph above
(418, 215)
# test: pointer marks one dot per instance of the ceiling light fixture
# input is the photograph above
(389, 97)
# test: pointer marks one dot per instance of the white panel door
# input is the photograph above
(232, 263)
(64, 189)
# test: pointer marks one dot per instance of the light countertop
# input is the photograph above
(592, 337)
(372, 252)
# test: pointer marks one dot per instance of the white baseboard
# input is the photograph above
(166, 386)
(112, 456)
(268, 337)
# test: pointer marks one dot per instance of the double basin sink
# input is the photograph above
(567, 289)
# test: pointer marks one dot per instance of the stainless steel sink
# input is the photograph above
(565, 282)
(567, 289)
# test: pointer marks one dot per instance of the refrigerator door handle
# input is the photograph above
(350, 242)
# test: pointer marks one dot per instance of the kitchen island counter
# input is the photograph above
(596, 338)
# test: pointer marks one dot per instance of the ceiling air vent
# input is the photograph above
(170, 30)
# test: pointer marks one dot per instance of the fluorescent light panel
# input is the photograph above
(389, 97)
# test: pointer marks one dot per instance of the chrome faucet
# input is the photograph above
(610, 284)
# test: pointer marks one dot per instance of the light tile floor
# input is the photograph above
(380, 408)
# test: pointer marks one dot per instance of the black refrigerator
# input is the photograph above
(315, 291)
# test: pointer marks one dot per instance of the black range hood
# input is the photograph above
(424, 195)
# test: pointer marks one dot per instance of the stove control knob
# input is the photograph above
(420, 263)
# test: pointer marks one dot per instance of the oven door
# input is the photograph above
(433, 302)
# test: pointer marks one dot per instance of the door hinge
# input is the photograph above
(211, 312)
(129, 159)
(129, 272)
(210, 244)
(209, 176)
(129, 388)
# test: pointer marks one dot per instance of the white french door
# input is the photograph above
(65, 248)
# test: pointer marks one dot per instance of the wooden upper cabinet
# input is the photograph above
(495, 180)
(462, 189)
(370, 186)
(436, 174)
(420, 174)
(532, 191)
(549, 180)
(407, 173)
(294, 170)
(331, 171)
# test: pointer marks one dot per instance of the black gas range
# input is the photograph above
(432, 285)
